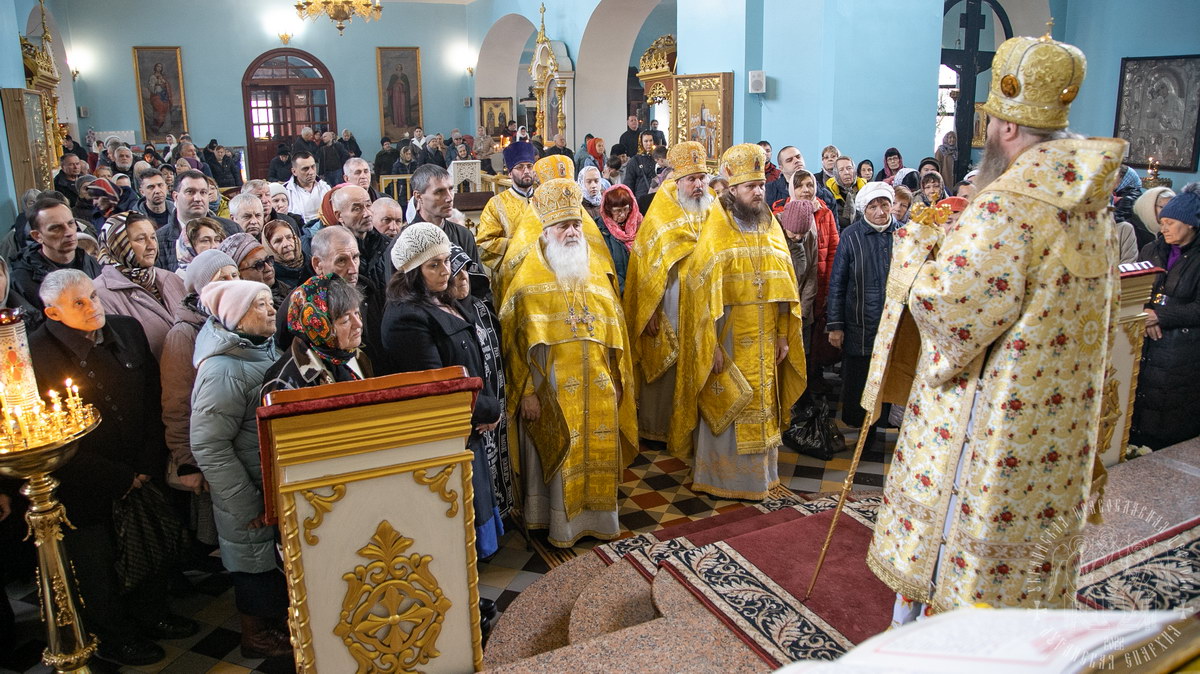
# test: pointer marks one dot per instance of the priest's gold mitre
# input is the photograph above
(1034, 81)
(744, 163)
(687, 158)
(554, 166)
(557, 200)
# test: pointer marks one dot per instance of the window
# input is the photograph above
(947, 102)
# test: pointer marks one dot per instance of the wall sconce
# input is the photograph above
(285, 37)
(470, 71)
(74, 74)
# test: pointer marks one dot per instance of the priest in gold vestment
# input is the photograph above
(741, 358)
(1015, 306)
(664, 241)
(572, 386)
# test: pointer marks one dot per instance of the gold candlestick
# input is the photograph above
(35, 442)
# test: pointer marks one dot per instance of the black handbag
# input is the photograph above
(151, 539)
(814, 432)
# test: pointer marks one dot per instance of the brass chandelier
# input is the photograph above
(339, 11)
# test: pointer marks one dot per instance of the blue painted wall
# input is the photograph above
(12, 75)
(1151, 28)
(660, 22)
(216, 53)
(834, 72)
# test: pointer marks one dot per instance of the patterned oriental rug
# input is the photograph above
(1159, 572)
(749, 567)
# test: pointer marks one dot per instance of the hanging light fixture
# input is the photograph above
(340, 11)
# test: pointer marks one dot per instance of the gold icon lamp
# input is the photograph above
(35, 440)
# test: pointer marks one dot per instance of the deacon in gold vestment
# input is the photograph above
(664, 241)
(741, 356)
(500, 216)
(1015, 309)
(567, 348)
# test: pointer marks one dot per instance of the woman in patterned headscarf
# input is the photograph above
(130, 284)
(325, 315)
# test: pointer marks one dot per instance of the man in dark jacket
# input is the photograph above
(330, 157)
(111, 360)
(856, 292)
(224, 168)
(191, 202)
(53, 230)
(629, 139)
(435, 202)
(305, 142)
(280, 170)
(154, 202)
(387, 155)
(70, 168)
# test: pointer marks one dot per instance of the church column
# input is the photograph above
(720, 36)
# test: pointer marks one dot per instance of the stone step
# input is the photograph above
(617, 598)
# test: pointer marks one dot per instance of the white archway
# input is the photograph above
(499, 63)
(66, 90)
(602, 66)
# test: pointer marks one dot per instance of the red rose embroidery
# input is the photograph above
(1015, 405)
(1045, 567)
(993, 207)
(960, 261)
(944, 432)
(924, 480)
(1069, 176)
(927, 305)
(1002, 569)
(1006, 516)
(907, 524)
(1052, 457)
(1048, 513)
(1060, 340)
(963, 334)
(1056, 399)
(1012, 462)
(1001, 285)
(960, 562)
(966, 509)
(1018, 344)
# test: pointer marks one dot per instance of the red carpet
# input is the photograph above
(753, 582)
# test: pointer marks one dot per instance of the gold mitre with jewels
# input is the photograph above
(557, 200)
(1034, 81)
(744, 163)
(554, 166)
(687, 158)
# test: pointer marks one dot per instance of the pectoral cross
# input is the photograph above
(585, 318)
(758, 282)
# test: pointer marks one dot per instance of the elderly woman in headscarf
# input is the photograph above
(254, 264)
(1145, 213)
(325, 316)
(426, 326)
(234, 349)
(892, 163)
(130, 284)
(593, 185)
(946, 156)
(620, 219)
(292, 265)
(201, 234)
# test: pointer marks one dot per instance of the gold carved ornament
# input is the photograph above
(439, 484)
(293, 564)
(321, 505)
(394, 607)
(656, 59)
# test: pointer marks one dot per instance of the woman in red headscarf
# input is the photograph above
(621, 218)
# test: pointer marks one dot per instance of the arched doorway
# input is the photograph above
(283, 91)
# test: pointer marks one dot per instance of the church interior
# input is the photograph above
(692, 581)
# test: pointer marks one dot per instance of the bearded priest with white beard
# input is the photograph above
(572, 386)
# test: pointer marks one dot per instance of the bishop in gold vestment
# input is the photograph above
(741, 360)
(566, 344)
(664, 241)
(1016, 307)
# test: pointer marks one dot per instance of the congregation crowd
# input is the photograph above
(612, 295)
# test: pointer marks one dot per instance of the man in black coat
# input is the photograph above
(280, 170)
(53, 230)
(191, 202)
(70, 168)
(629, 139)
(110, 359)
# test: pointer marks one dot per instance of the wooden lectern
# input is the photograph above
(371, 484)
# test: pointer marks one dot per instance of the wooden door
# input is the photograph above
(284, 90)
